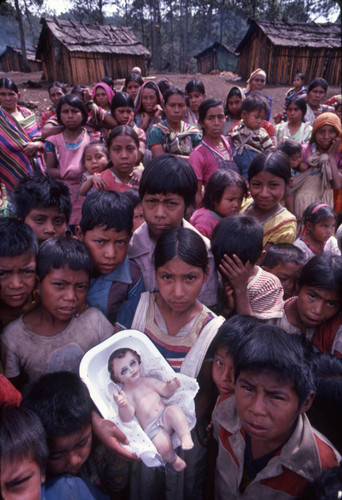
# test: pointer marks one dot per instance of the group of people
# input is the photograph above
(205, 227)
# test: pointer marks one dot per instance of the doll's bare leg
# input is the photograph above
(175, 419)
(162, 441)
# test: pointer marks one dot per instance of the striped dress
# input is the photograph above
(14, 135)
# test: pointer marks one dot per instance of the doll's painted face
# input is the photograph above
(126, 369)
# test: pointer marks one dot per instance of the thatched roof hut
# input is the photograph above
(283, 49)
(80, 53)
(217, 56)
(12, 59)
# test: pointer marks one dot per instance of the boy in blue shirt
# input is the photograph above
(106, 229)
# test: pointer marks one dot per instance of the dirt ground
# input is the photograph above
(215, 85)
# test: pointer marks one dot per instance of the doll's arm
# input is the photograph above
(126, 410)
(166, 389)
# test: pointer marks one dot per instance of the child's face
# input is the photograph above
(71, 117)
(101, 98)
(46, 223)
(277, 119)
(107, 247)
(132, 89)
(63, 292)
(317, 305)
(95, 159)
(296, 160)
(179, 284)
(267, 190)
(253, 119)
(325, 136)
(230, 202)
(294, 113)
(288, 274)
(67, 454)
(214, 122)
(297, 82)
(175, 108)
(162, 212)
(138, 216)
(21, 479)
(123, 152)
(223, 371)
(267, 408)
(234, 105)
(127, 369)
(195, 100)
(323, 230)
(17, 280)
(149, 100)
(123, 115)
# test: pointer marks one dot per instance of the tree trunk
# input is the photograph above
(186, 36)
(22, 36)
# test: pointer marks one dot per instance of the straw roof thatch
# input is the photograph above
(95, 38)
(281, 33)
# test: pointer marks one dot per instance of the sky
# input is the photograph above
(60, 6)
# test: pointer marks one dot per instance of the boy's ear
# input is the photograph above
(79, 233)
(243, 114)
(307, 403)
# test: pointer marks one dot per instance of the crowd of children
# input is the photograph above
(209, 230)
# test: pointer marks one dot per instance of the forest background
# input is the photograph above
(173, 31)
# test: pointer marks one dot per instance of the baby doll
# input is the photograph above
(141, 396)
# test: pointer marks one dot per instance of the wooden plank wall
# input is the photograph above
(282, 63)
(207, 62)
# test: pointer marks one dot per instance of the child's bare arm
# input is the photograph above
(237, 275)
(126, 410)
(166, 389)
(336, 175)
(94, 180)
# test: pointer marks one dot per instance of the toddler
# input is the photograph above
(141, 396)
(223, 196)
(94, 161)
(318, 234)
(249, 138)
